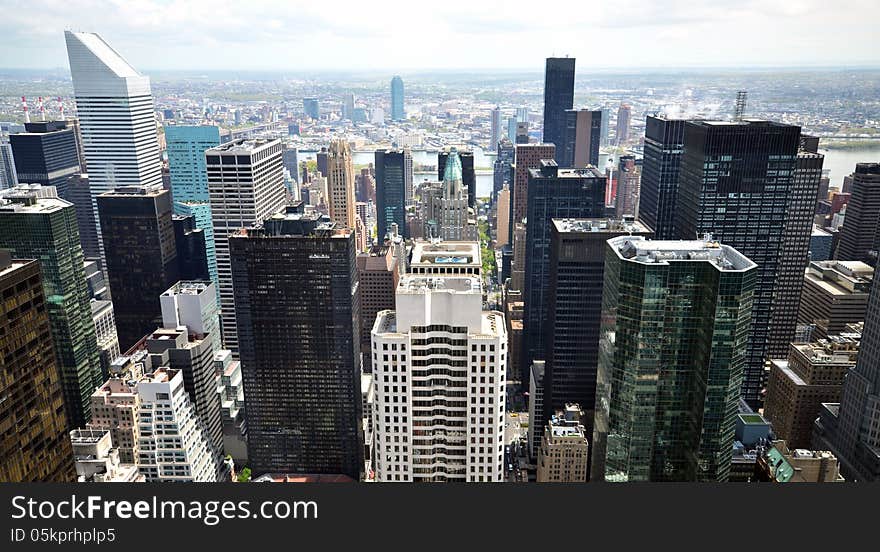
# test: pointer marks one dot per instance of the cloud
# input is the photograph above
(353, 34)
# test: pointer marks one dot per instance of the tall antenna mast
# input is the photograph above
(740, 110)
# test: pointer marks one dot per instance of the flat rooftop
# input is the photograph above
(187, 287)
(638, 249)
(455, 284)
(448, 253)
(600, 225)
(243, 146)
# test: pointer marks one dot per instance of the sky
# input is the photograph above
(365, 35)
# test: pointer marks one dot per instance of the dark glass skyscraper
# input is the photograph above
(737, 182)
(552, 193)
(397, 111)
(36, 224)
(46, 154)
(391, 168)
(659, 185)
(675, 319)
(558, 96)
(298, 308)
(141, 257)
(581, 134)
(502, 169)
(860, 236)
(192, 254)
(34, 443)
(468, 174)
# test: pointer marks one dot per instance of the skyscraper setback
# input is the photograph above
(114, 105)
(558, 96)
(299, 346)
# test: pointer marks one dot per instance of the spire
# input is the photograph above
(452, 175)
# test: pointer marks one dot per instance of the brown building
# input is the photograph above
(783, 465)
(813, 374)
(379, 273)
(34, 443)
(528, 156)
(564, 448)
(835, 294)
(514, 317)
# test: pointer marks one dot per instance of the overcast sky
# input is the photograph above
(421, 34)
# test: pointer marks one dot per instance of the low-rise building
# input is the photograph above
(564, 448)
(97, 461)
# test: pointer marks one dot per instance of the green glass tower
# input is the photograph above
(36, 224)
(675, 320)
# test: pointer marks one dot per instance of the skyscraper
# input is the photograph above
(34, 435)
(379, 272)
(558, 96)
(553, 193)
(675, 319)
(495, 127)
(397, 111)
(664, 141)
(502, 172)
(468, 174)
(624, 117)
(299, 346)
(424, 354)
(340, 184)
(36, 224)
(141, 257)
(856, 440)
(579, 142)
(311, 108)
(502, 218)
(860, 236)
(186, 146)
(46, 154)
(391, 168)
(528, 156)
(246, 185)
(192, 253)
(189, 338)
(449, 216)
(739, 182)
(628, 175)
(575, 274)
(834, 294)
(114, 105)
(8, 177)
(79, 192)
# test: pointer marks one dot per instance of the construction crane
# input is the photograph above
(740, 109)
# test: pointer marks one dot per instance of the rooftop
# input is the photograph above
(640, 250)
(445, 253)
(243, 146)
(840, 277)
(600, 225)
(453, 284)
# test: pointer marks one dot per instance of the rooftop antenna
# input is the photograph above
(740, 110)
(27, 116)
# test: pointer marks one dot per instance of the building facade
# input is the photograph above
(558, 96)
(675, 320)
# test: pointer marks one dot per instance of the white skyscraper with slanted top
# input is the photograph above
(114, 105)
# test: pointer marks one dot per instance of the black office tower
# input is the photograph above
(192, 256)
(298, 309)
(581, 134)
(141, 257)
(46, 154)
(576, 273)
(660, 168)
(468, 175)
(738, 183)
(552, 193)
(391, 190)
(860, 236)
(558, 96)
